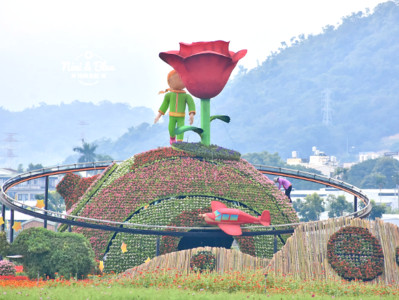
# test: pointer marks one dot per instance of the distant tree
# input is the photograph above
(395, 178)
(373, 173)
(390, 210)
(4, 245)
(311, 208)
(340, 173)
(32, 167)
(274, 160)
(55, 201)
(377, 210)
(338, 206)
(20, 168)
(86, 151)
(388, 167)
(103, 157)
(379, 180)
(265, 158)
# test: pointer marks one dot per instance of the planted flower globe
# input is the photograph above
(205, 68)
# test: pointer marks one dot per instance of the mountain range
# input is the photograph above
(337, 90)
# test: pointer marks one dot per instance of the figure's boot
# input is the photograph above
(172, 140)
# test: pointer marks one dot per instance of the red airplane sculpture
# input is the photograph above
(230, 219)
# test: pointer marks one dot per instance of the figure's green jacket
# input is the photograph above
(176, 102)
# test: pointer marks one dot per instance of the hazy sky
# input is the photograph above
(60, 51)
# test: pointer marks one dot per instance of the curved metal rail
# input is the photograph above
(119, 226)
(339, 184)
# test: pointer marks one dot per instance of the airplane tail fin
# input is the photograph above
(264, 219)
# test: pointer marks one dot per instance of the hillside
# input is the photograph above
(337, 90)
(355, 66)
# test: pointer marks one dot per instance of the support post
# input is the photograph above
(206, 121)
(275, 244)
(355, 204)
(69, 228)
(45, 200)
(3, 214)
(158, 241)
(11, 225)
(397, 193)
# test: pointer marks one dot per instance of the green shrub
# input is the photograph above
(4, 245)
(7, 268)
(46, 253)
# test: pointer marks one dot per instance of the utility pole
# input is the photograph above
(327, 111)
(396, 179)
(9, 141)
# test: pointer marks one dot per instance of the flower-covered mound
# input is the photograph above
(354, 253)
(211, 152)
(7, 268)
(72, 187)
(170, 187)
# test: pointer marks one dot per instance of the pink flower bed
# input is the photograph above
(72, 187)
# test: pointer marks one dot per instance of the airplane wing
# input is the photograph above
(231, 229)
(217, 205)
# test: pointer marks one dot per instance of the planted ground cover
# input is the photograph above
(210, 152)
(170, 284)
(173, 212)
(354, 253)
(72, 187)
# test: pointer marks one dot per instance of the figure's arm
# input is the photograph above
(158, 117)
(163, 108)
(191, 108)
(192, 118)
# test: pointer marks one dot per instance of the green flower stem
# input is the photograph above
(206, 121)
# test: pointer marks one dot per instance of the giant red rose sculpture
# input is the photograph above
(204, 68)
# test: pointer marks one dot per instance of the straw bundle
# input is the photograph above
(226, 260)
(304, 256)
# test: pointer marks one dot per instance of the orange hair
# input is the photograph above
(170, 74)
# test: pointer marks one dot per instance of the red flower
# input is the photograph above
(204, 67)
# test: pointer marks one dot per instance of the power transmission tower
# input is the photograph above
(82, 125)
(9, 141)
(327, 110)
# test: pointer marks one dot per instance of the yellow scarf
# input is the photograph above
(170, 90)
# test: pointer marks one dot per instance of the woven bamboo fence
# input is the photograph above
(304, 255)
(226, 260)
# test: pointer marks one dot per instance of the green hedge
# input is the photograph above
(4, 245)
(46, 253)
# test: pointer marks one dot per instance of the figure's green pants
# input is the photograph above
(173, 123)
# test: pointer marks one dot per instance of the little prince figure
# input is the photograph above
(176, 100)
